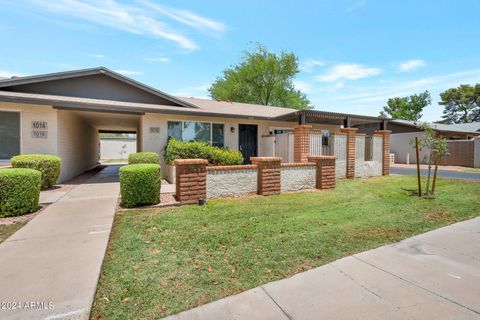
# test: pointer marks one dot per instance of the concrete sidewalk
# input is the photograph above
(49, 269)
(435, 275)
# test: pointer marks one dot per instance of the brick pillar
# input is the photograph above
(301, 142)
(268, 174)
(191, 180)
(351, 143)
(385, 151)
(325, 178)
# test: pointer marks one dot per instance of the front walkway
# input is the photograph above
(435, 275)
(50, 267)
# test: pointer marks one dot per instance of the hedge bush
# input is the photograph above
(140, 184)
(48, 165)
(201, 150)
(143, 157)
(19, 191)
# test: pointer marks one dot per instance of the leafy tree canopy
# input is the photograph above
(461, 104)
(407, 108)
(262, 77)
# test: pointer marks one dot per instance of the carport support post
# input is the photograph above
(351, 146)
(191, 180)
(385, 151)
(301, 142)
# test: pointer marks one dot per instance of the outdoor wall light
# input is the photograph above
(232, 129)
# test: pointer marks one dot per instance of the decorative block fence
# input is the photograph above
(349, 155)
(357, 155)
(265, 176)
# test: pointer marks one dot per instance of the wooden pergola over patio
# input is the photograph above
(326, 117)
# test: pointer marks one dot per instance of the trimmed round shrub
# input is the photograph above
(143, 157)
(140, 184)
(48, 165)
(201, 150)
(19, 191)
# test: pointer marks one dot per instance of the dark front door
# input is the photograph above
(247, 141)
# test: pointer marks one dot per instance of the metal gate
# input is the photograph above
(282, 143)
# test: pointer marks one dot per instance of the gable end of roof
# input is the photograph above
(6, 83)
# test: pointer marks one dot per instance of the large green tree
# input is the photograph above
(261, 77)
(461, 104)
(407, 108)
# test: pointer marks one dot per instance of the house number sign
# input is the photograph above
(154, 130)
(39, 125)
(39, 129)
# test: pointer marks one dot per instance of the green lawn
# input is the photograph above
(165, 261)
(6, 230)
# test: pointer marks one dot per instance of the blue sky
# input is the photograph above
(354, 55)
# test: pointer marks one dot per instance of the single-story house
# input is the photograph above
(461, 139)
(63, 113)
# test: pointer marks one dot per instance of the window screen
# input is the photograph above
(9, 134)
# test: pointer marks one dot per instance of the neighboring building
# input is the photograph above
(460, 139)
(117, 148)
(63, 113)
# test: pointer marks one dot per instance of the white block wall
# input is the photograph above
(297, 178)
(229, 183)
(372, 167)
(359, 156)
(340, 151)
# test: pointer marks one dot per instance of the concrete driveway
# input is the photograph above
(441, 173)
(435, 275)
(49, 269)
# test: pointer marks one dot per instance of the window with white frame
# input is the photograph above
(212, 133)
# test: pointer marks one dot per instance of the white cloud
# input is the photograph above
(310, 64)
(302, 86)
(129, 72)
(159, 59)
(134, 19)
(348, 71)
(411, 65)
(398, 89)
(9, 74)
(189, 18)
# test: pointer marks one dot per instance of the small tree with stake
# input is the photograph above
(437, 149)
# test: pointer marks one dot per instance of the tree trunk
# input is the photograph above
(434, 177)
(418, 168)
(429, 171)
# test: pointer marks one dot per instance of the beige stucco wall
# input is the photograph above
(29, 113)
(78, 145)
(68, 136)
(156, 141)
(402, 149)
